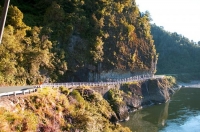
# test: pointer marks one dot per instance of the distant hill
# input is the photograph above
(177, 54)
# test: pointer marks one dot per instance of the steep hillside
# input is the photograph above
(74, 40)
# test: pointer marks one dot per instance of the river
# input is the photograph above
(180, 114)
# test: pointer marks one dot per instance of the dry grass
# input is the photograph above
(58, 110)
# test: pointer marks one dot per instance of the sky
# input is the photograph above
(181, 16)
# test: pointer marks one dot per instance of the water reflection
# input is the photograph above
(149, 119)
(181, 113)
(163, 115)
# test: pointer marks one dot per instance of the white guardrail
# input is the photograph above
(18, 92)
(110, 82)
(76, 84)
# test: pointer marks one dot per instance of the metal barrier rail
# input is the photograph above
(114, 82)
(18, 92)
(76, 84)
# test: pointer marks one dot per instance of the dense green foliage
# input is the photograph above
(61, 38)
(177, 54)
(24, 56)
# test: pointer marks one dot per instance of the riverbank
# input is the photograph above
(133, 96)
(180, 114)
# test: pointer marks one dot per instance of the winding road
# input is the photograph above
(13, 90)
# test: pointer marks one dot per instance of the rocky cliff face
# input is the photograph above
(113, 75)
(137, 95)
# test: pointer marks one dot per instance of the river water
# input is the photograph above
(180, 114)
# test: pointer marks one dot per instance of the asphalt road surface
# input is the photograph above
(14, 88)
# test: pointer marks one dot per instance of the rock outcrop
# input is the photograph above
(137, 95)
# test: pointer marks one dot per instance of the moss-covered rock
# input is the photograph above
(115, 98)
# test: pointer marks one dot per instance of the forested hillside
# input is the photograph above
(177, 54)
(67, 39)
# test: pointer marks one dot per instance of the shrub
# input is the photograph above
(64, 90)
(171, 80)
(19, 121)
